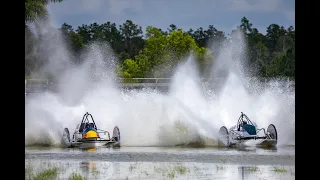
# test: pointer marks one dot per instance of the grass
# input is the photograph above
(146, 173)
(197, 170)
(253, 169)
(292, 171)
(76, 176)
(95, 172)
(223, 160)
(180, 169)
(171, 171)
(279, 169)
(157, 170)
(219, 167)
(28, 172)
(171, 174)
(47, 174)
(163, 171)
(131, 167)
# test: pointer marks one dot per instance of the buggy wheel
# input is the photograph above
(66, 134)
(116, 134)
(65, 140)
(272, 132)
(223, 139)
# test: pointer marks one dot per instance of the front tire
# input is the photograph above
(116, 134)
(272, 132)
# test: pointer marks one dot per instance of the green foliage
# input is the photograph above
(130, 69)
(158, 52)
(277, 66)
(36, 9)
(123, 56)
(166, 51)
(76, 176)
(47, 174)
(35, 12)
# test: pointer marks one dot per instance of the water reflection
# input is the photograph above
(116, 170)
(89, 169)
(244, 171)
(266, 172)
(90, 149)
(87, 166)
(95, 149)
(162, 170)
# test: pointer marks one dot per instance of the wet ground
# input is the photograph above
(161, 163)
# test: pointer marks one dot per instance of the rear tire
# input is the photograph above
(66, 134)
(223, 139)
(272, 132)
(65, 140)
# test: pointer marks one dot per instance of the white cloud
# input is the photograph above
(91, 6)
(253, 5)
(118, 6)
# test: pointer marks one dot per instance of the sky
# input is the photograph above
(224, 15)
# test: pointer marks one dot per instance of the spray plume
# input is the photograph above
(188, 113)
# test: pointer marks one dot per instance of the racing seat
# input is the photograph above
(250, 129)
(82, 127)
(91, 125)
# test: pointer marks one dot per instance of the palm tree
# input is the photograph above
(37, 9)
(35, 12)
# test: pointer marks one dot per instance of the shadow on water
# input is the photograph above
(250, 148)
(96, 149)
(155, 149)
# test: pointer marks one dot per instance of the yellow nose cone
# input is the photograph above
(91, 134)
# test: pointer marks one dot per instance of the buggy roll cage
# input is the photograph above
(85, 120)
(240, 120)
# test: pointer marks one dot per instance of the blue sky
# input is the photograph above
(225, 15)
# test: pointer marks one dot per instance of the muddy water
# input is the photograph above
(163, 163)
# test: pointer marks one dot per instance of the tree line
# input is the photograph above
(156, 52)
